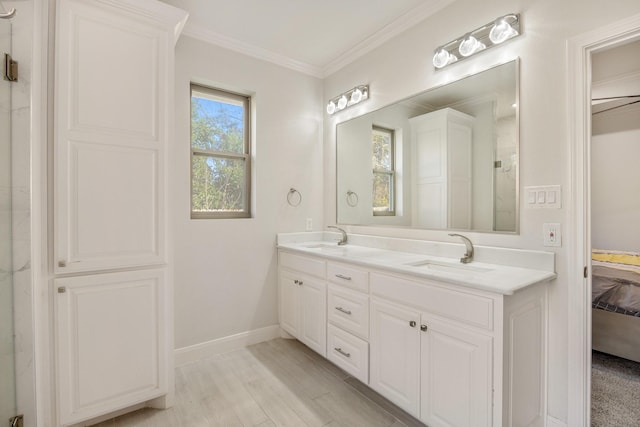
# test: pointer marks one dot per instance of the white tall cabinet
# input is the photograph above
(114, 62)
(442, 152)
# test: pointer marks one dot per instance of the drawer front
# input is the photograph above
(347, 275)
(307, 265)
(475, 310)
(348, 352)
(349, 310)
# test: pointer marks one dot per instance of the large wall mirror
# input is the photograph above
(446, 158)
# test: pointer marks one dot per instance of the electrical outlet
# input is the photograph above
(309, 226)
(552, 233)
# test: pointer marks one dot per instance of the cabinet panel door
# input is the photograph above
(313, 314)
(111, 342)
(456, 376)
(289, 307)
(110, 135)
(395, 354)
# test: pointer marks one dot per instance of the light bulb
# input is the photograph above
(501, 31)
(356, 96)
(331, 107)
(443, 58)
(342, 102)
(470, 45)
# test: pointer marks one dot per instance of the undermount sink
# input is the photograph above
(449, 268)
(321, 246)
(332, 248)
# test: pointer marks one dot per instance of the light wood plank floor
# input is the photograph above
(275, 383)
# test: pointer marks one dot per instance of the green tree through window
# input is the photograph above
(219, 154)
(382, 142)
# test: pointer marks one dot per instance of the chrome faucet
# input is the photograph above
(468, 256)
(342, 241)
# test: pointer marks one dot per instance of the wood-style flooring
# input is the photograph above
(275, 383)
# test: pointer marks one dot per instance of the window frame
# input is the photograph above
(245, 157)
(391, 173)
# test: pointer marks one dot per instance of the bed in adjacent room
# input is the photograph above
(616, 303)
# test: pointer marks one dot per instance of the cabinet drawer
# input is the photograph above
(349, 310)
(347, 275)
(348, 352)
(465, 307)
(311, 266)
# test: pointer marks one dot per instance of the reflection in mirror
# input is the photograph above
(444, 159)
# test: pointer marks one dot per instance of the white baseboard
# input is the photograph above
(203, 350)
(554, 422)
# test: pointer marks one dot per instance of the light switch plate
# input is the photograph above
(543, 197)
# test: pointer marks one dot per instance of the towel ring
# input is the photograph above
(294, 198)
(352, 198)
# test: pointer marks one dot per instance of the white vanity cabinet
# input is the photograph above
(449, 354)
(303, 300)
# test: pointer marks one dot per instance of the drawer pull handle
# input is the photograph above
(412, 323)
(342, 352)
(340, 276)
(344, 311)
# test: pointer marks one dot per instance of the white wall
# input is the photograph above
(402, 67)
(615, 179)
(225, 270)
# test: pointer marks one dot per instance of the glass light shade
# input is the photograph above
(331, 107)
(342, 102)
(470, 45)
(356, 96)
(501, 31)
(442, 58)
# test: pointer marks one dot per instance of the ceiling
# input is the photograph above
(317, 37)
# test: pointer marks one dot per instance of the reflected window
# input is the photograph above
(383, 148)
(220, 154)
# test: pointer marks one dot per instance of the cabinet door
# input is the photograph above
(456, 376)
(110, 135)
(313, 314)
(395, 354)
(111, 342)
(289, 307)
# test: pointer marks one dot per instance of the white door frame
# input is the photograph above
(579, 50)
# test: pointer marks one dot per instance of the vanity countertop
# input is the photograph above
(501, 279)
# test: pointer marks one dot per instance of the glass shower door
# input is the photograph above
(7, 365)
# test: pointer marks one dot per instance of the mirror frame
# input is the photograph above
(516, 62)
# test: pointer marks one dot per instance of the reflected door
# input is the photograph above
(7, 366)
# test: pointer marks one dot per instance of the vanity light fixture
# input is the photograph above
(347, 99)
(502, 29)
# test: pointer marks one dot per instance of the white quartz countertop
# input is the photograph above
(501, 279)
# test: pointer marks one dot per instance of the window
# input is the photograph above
(383, 147)
(220, 154)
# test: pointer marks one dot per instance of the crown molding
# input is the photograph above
(163, 14)
(389, 31)
(200, 33)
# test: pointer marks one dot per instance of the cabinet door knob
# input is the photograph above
(62, 290)
(296, 281)
(423, 328)
(300, 282)
(62, 263)
(412, 323)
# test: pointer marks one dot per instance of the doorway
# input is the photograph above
(581, 50)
